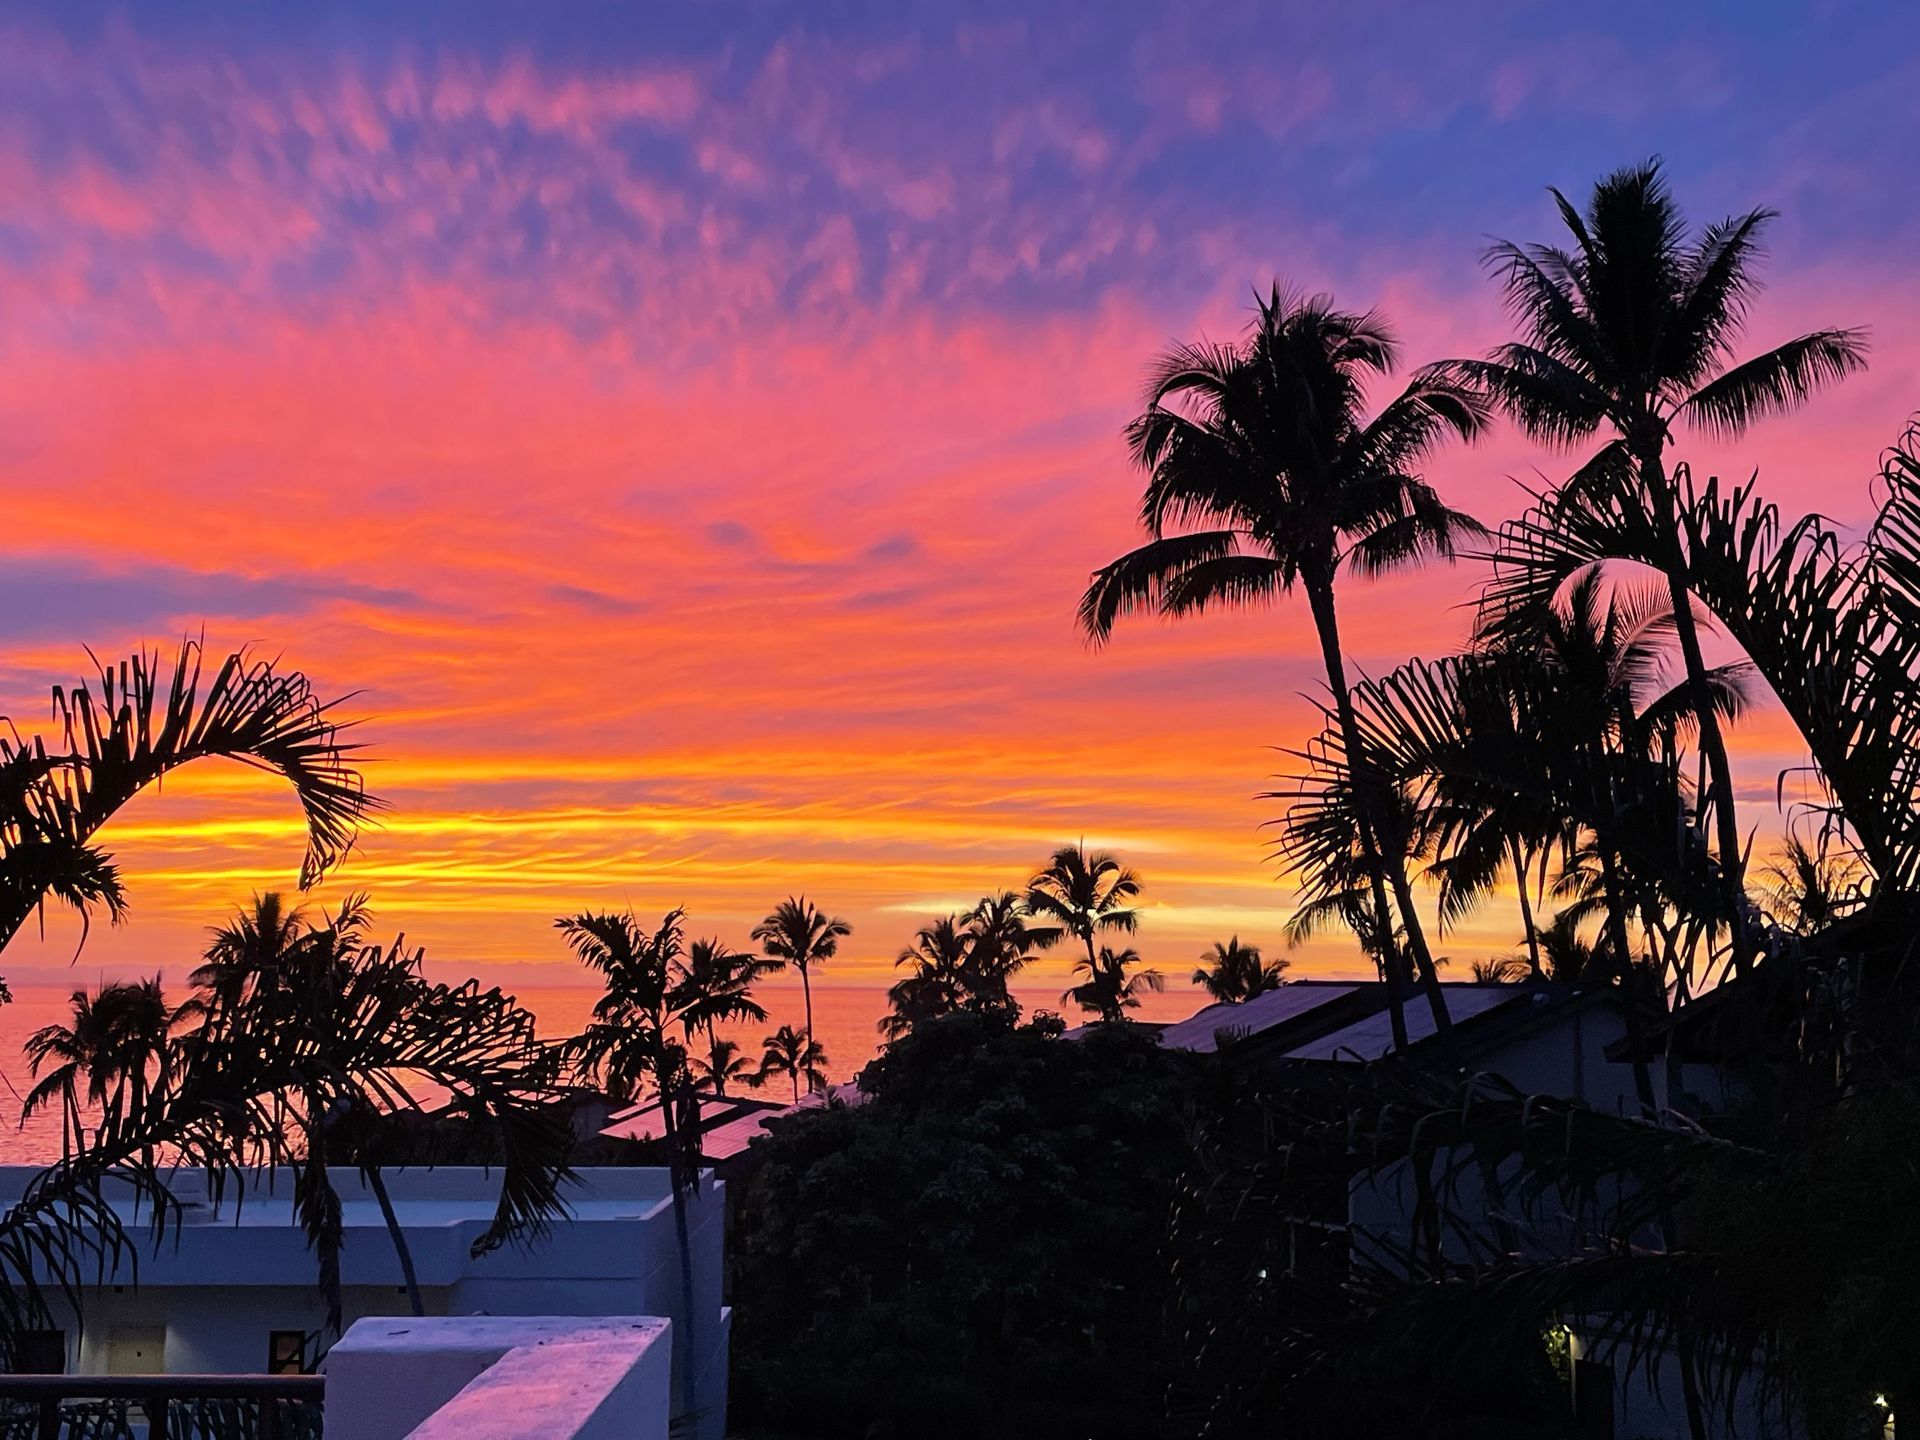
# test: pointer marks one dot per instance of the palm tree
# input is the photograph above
(1502, 969)
(1809, 887)
(1232, 973)
(716, 983)
(118, 1038)
(1112, 984)
(799, 934)
(56, 796)
(1632, 331)
(799, 1057)
(722, 1064)
(1081, 894)
(936, 983)
(636, 1037)
(1568, 958)
(256, 943)
(1000, 944)
(335, 1035)
(1265, 447)
(275, 1068)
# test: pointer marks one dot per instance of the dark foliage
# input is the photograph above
(977, 1250)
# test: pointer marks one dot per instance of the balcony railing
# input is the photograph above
(161, 1407)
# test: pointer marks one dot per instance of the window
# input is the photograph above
(286, 1352)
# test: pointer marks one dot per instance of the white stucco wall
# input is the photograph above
(501, 1378)
(220, 1285)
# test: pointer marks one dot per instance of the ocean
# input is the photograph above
(845, 1017)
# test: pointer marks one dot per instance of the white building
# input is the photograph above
(234, 1289)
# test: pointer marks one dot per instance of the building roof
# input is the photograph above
(1372, 1037)
(253, 1237)
(728, 1123)
(1348, 1022)
(1203, 1032)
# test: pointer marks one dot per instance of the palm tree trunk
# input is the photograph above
(1617, 932)
(1416, 937)
(1713, 744)
(1520, 878)
(1373, 837)
(806, 993)
(399, 1236)
(678, 1184)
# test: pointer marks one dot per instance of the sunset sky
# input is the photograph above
(689, 429)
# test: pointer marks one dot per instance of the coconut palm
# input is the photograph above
(1232, 973)
(1570, 959)
(1081, 894)
(800, 934)
(119, 1037)
(1264, 472)
(1501, 969)
(330, 1036)
(716, 983)
(1113, 983)
(1000, 944)
(277, 1068)
(1630, 333)
(937, 981)
(636, 1038)
(133, 726)
(1810, 886)
(788, 1052)
(255, 943)
(722, 1064)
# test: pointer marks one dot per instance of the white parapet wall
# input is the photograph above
(501, 1377)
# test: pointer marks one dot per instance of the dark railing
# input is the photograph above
(161, 1407)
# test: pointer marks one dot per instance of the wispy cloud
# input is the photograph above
(691, 433)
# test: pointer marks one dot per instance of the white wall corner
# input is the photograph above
(500, 1377)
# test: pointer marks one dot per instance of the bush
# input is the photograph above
(980, 1249)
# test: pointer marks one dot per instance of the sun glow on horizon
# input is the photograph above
(690, 446)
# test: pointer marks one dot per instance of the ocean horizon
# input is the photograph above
(846, 1016)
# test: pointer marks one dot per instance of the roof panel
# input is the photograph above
(1372, 1037)
(1200, 1033)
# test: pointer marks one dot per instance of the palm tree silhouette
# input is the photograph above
(799, 1057)
(1810, 886)
(1632, 331)
(1267, 446)
(350, 1027)
(1112, 983)
(55, 797)
(715, 983)
(1502, 969)
(1232, 972)
(1081, 894)
(637, 1036)
(118, 1037)
(799, 934)
(255, 945)
(937, 980)
(1000, 944)
(1568, 957)
(722, 1064)
(281, 1066)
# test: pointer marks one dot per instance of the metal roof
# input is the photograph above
(728, 1124)
(1372, 1037)
(1202, 1033)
